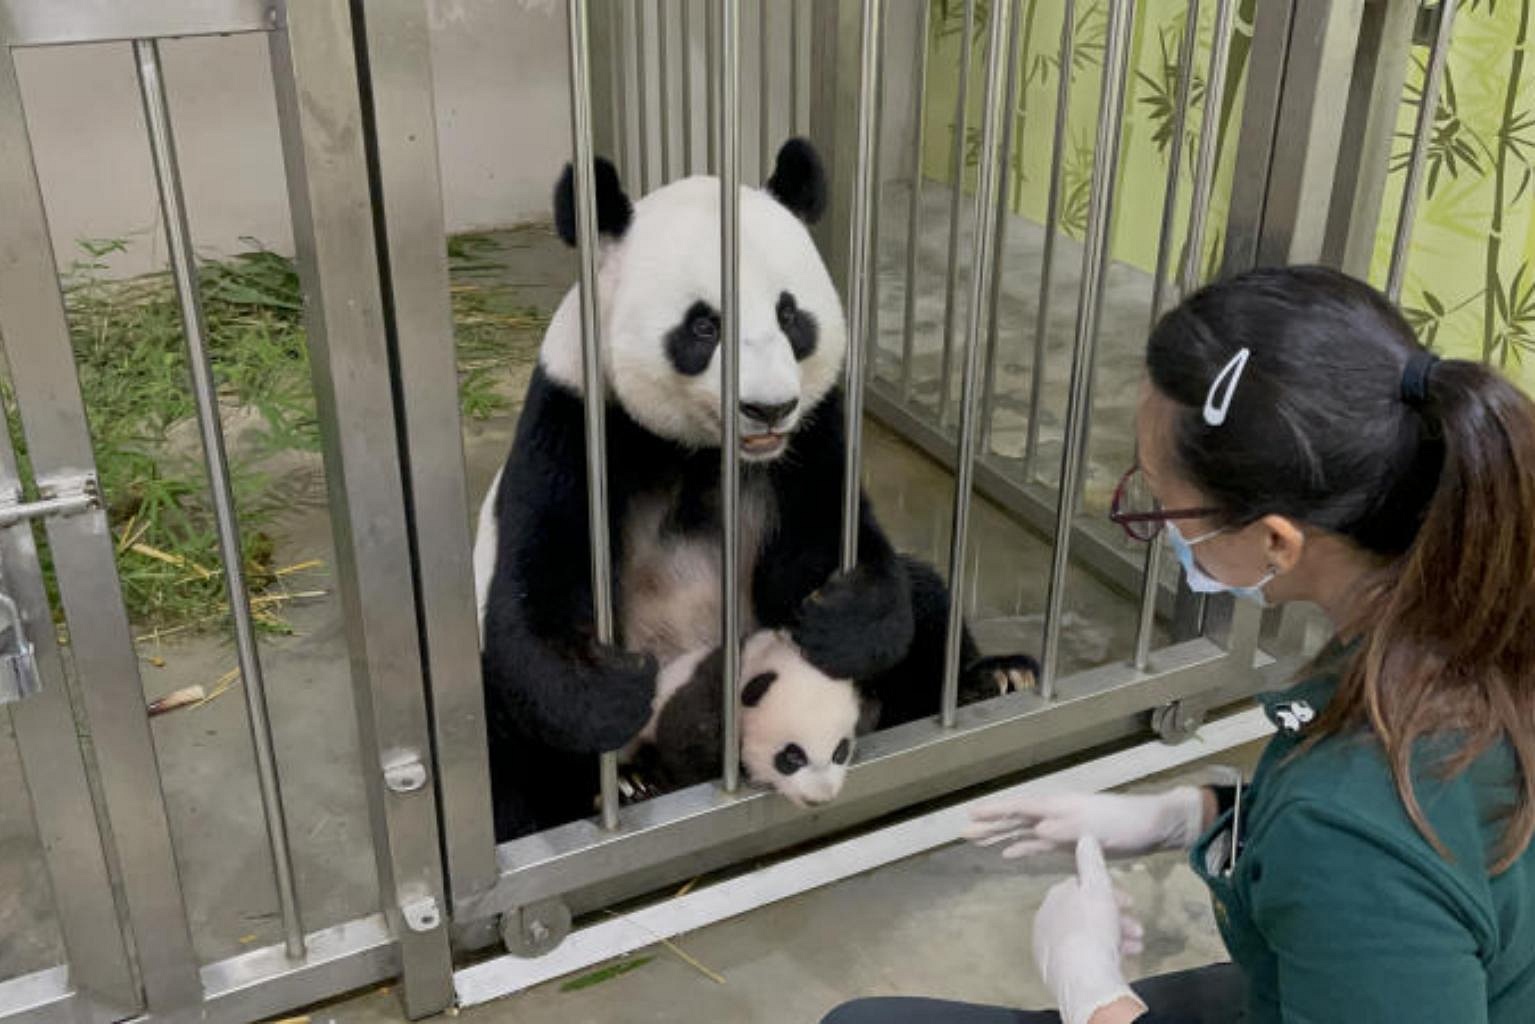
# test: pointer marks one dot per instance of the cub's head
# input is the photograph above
(797, 724)
(659, 291)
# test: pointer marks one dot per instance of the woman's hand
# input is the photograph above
(1079, 933)
(1122, 825)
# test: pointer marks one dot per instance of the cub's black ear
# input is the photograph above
(756, 688)
(799, 180)
(614, 211)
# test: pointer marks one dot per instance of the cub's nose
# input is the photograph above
(769, 415)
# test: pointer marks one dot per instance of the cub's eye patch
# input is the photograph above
(790, 759)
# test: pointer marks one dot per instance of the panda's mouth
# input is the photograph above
(763, 446)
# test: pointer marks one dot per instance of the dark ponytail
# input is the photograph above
(1450, 633)
(1344, 423)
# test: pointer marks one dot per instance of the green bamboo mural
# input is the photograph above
(1471, 279)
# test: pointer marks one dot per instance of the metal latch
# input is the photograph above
(18, 663)
(60, 496)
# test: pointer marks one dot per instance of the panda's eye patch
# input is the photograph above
(690, 345)
(790, 759)
(842, 753)
(797, 325)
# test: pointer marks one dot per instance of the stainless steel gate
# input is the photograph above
(148, 964)
(359, 141)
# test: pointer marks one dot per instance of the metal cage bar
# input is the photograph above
(53, 417)
(687, 88)
(1152, 572)
(956, 201)
(712, 83)
(178, 233)
(876, 204)
(730, 384)
(1065, 59)
(664, 81)
(983, 254)
(1422, 135)
(998, 245)
(642, 92)
(914, 199)
(860, 259)
(619, 18)
(1095, 258)
(593, 391)
(1204, 160)
(796, 40)
(764, 91)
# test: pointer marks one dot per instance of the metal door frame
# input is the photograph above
(323, 126)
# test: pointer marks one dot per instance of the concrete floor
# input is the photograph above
(953, 923)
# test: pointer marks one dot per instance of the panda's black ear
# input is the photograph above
(756, 688)
(614, 211)
(799, 180)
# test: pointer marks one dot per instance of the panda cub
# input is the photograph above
(798, 725)
(554, 695)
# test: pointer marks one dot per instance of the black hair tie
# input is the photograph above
(1415, 376)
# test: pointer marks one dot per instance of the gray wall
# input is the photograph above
(503, 120)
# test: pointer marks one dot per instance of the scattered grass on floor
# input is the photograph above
(607, 973)
(129, 352)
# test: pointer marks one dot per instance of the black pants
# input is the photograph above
(1207, 995)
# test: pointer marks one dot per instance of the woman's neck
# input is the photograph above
(1335, 578)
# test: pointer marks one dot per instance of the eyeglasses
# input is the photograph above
(1138, 512)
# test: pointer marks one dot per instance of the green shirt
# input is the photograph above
(1338, 909)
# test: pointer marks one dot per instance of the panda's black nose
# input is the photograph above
(769, 415)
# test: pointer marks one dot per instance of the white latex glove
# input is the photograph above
(1079, 934)
(1123, 825)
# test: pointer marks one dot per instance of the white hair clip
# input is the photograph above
(1218, 401)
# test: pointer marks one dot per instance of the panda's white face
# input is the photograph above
(660, 291)
(797, 724)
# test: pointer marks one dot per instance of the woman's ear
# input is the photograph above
(1283, 541)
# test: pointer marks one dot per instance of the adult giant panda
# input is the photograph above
(554, 696)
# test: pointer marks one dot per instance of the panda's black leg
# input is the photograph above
(913, 689)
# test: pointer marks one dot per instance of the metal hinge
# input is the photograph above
(59, 496)
(1426, 29)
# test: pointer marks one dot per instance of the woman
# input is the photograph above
(1296, 444)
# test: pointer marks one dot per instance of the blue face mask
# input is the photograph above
(1201, 582)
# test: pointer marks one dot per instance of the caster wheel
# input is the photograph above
(1176, 722)
(536, 929)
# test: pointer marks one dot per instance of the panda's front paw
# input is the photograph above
(622, 693)
(997, 676)
(858, 624)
